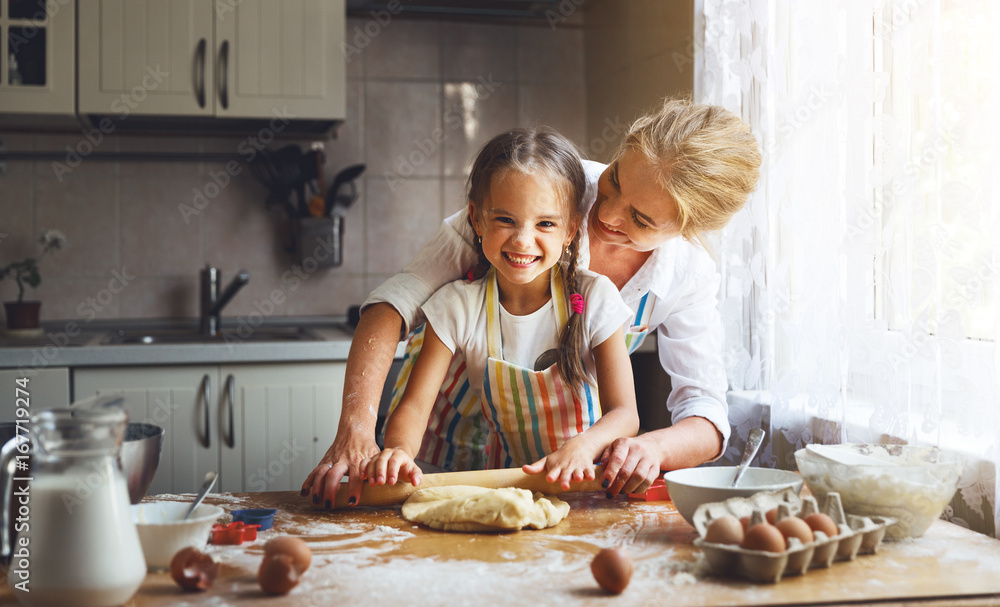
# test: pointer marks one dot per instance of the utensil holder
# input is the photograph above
(319, 242)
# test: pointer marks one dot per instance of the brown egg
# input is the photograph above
(277, 574)
(192, 569)
(764, 536)
(612, 568)
(745, 522)
(793, 526)
(295, 548)
(771, 515)
(822, 522)
(725, 530)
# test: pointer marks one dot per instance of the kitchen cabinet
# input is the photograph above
(47, 389)
(227, 59)
(37, 68)
(261, 427)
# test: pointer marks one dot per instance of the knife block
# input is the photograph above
(318, 242)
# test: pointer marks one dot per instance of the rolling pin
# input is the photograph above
(388, 495)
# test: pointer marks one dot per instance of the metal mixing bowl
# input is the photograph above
(140, 456)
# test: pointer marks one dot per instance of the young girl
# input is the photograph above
(536, 329)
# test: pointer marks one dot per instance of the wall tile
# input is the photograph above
(160, 226)
(82, 299)
(471, 51)
(18, 236)
(354, 47)
(160, 169)
(403, 129)
(76, 150)
(404, 50)
(400, 220)
(161, 297)
(560, 106)
(547, 55)
(473, 114)
(349, 146)
(327, 293)
(86, 210)
(454, 198)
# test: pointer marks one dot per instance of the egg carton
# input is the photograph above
(855, 535)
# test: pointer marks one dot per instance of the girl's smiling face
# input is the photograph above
(632, 209)
(525, 224)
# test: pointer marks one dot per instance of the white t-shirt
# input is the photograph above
(680, 277)
(457, 313)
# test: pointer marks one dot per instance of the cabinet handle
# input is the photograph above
(231, 390)
(207, 394)
(224, 74)
(200, 80)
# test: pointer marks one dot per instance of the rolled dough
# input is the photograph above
(467, 508)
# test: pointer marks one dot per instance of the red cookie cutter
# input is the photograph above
(236, 532)
(657, 492)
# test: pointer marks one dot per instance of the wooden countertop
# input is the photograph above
(371, 556)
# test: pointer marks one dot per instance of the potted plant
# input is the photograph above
(24, 314)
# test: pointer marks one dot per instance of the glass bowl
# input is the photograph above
(910, 483)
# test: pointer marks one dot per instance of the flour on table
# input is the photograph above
(466, 508)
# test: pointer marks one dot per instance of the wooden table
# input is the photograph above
(371, 556)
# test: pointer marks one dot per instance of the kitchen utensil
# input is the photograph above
(264, 517)
(163, 529)
(753, 443)
(91, 554)
(912, 483)
(691, 487)
(338, 202)
(387, 495)
(140, 457)
(205, 488)
(317, 204)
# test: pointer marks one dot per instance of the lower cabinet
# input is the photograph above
(261, 427)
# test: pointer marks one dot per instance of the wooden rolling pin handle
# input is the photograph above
(388, 495)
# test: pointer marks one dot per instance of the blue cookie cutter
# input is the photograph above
(256, 516)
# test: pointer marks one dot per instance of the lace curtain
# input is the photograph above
(861, 289)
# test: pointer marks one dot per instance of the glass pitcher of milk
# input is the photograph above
(74, 542)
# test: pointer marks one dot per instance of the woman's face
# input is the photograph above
(632, 209)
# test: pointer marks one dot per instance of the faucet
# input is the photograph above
(212, 301)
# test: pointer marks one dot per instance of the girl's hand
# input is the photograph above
(570, 463)
(389, 465)
(632, 465)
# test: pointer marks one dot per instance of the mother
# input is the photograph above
(682, 170)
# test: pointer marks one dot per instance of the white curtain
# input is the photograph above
(861, 289)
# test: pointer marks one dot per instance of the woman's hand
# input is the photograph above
(573, 462)
(344, 457)
(389, 465)
(631, 464)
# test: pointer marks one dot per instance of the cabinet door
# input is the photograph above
(146, 57)
(284, 418)
(280, 59)
(37, 52)
(46, 388)
(175, 398)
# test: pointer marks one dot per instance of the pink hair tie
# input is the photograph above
(471, 275)
(576, 302)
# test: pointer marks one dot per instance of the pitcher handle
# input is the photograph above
(7, 485)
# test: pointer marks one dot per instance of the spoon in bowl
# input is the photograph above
(753, 443)
(205, 488)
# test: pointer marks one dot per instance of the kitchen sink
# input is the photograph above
(229, 336)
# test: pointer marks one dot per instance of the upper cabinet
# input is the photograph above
(223, 59)
(37, 63)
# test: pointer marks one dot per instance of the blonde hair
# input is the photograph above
(539, 150)
(703, 155)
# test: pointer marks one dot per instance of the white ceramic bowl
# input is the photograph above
(691, 487)
(913, 485)
(162, 532)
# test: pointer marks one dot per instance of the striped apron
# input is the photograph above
(530, 413)
(456, 433)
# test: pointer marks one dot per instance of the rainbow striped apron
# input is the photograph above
(456, 433)
(530, 413)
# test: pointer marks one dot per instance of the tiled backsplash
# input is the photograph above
(423, 95)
